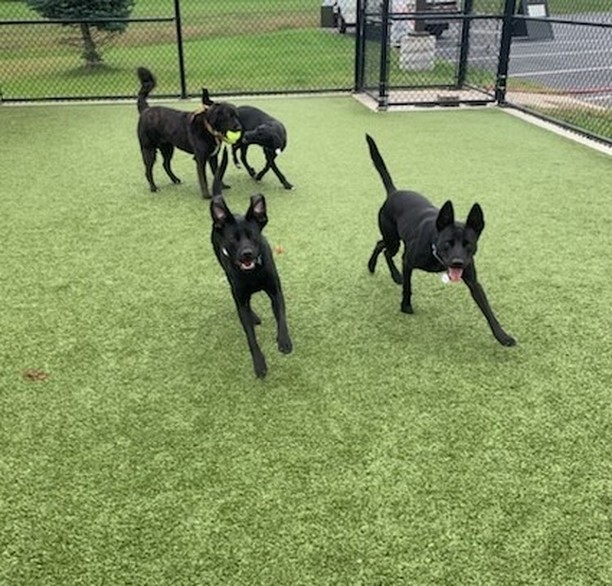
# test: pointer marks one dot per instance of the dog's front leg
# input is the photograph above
(282, 331)
(247, 320)
(243, 158)
(214, 164)
(201, 167)
(407, 282)
(479, 296)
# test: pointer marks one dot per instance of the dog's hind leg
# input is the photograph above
(271, 164)
(380, 246)
(167, 150)
(390, 252)
(148, 157)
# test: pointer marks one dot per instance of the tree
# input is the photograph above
(87, 10)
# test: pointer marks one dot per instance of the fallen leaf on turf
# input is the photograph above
(35, 374)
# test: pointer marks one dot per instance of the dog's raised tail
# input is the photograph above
(380, 165)
(217, 188)
(147, 83)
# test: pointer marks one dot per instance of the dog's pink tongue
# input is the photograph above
(454, 274)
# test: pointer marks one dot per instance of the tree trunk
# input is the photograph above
(90, 53)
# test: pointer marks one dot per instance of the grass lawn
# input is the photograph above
(136, 445)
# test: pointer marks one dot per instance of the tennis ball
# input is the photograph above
(233, 136)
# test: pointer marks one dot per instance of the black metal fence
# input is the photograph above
(563, 72)
(552, 58)
(231, 46)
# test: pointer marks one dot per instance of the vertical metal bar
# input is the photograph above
(504, 52)
(466, 23)
(179, 44)
(383, 83)
(419, 8)
(359, 47)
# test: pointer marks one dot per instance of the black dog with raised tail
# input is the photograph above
(433, 242)
(246, 258)
(200, 133)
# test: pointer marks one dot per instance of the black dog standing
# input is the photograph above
(433, 242)
(261, 129)
(164, 129)
(246, 258)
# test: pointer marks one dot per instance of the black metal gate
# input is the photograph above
(430, 52)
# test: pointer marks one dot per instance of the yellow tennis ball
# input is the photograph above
(233, 136)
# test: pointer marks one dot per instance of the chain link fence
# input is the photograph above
(561, 65)
(234, 46)
(552, 58)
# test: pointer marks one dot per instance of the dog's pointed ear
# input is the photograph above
(446, 216)
(206, 97)
(217, 188)
(257, 210)
(220, 213)
(475, 219)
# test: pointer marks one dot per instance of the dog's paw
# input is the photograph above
(176, 180)
(397, 278)
(505, 340)
(260, 367)
(407, 308)
(285, 346)
(288, 186)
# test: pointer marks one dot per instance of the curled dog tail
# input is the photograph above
(147, 83)
(218, 180)
(380, 165)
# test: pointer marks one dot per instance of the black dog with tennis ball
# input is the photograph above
(200, 133)
(246, 257)
(433, 242)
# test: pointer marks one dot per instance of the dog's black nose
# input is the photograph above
(247, 254)
(457, 263)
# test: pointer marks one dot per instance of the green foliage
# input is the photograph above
(77, 9)
(92, 9)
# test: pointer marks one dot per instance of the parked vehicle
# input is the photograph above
(345, 12)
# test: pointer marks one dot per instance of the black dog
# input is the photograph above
(200, 133)
(433, 242)
(261, 129)
(247, 260)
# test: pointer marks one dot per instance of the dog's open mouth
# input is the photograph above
(455, 274)
(247, 264)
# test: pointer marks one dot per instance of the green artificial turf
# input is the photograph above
(136, 445)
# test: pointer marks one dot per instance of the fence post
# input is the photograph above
(504, 52)
(466, 23)
(359, 47)
(179, 44)
(383, 83)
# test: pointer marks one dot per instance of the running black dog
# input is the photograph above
(261, 129)
(246, 258)
(433, 242)
(199, 133)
